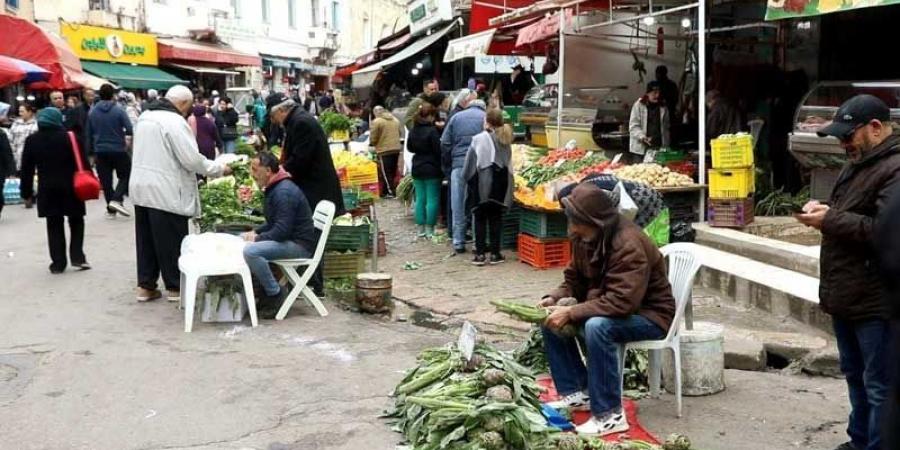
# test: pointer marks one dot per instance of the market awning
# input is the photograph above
(26, 41)
(483, 11)
(133, 77)
(365, 77)
(201, 69)
(470, 46)
(271, 61)
(366, 58)
(542, 30)
(776, 10)
(189, 51)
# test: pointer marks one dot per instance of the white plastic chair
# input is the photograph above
(195, 263)
(683, 267)
(322, 218)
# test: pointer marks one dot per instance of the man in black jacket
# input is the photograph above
(850, 287)
(887, 241)
(306, 156)
(287, 234)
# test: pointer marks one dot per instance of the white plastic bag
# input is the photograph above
(627, 206)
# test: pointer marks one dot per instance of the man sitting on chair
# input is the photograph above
(287, 234)
(618, 277)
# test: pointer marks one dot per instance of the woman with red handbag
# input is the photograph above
(50, 152)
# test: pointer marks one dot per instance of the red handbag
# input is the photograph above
(86, 184)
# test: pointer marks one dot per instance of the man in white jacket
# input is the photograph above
(649, 124)
(163, 187)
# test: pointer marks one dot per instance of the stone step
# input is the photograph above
(798, 258)
(750, 283)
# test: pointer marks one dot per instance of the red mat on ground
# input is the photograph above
(636, 431)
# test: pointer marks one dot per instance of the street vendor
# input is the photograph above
(649, 123)
(287, 234)
(619, 279)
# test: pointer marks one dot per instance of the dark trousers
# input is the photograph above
(892, 422)
(488, 226)
(158, 236)
(387, 173)
(56, 240)
(863, 348)
(120, 162)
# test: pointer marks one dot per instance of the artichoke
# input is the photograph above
(569, 442)
(493, 377)
(492, 440)
(568, 301)
(494, 423)
(474, 364)
(500, 394)
(677, 442)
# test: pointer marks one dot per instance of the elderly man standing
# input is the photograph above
(455, 142)
(850, 287)
(164, 190)
(385, 137)
(307, 158)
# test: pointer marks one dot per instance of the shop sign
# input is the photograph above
(785, 9)
(424, 14)
(470, 46)
(108, 44)
(504, 64)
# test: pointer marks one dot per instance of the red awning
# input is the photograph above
(346, 71)
(366, 59)
(483, 11)
(192, 52)
(29, 42)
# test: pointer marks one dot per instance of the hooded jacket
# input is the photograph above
(288, 216)
(458, 134)
(487, 172)
(107, 126)
(424, 142)
(637, 125)
(166, 162)
(621, 275)
(386, 134)
(850, 285)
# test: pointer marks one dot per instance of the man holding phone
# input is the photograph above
(850, 288)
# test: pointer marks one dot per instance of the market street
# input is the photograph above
(83, 366)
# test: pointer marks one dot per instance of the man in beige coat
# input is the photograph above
(386, 133)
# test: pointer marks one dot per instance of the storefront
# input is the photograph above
(125, 58)
(209, 66)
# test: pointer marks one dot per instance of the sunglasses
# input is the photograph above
(848, 136)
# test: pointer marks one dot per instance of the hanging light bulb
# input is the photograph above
(419, 65)
(685, 23)
(415, 71)
(649, 20)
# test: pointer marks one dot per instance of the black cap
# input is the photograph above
(274, 100)
(854, 113)
(653, 86)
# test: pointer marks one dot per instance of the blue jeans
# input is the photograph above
(602, 338)
(863, 348)
(258, 255)
(458, 207)
(230, 146)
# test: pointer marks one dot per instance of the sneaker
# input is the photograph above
(173, 296)
(56, 270)
(146, 295)
(479, 260)
(119, 208)
(610, 424)
(846, 446)
(460, 250)
(497, 258)
(576, 401)
(421, 231)
(83, 265)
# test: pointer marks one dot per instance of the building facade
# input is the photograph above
(367, 21)
(20, 8)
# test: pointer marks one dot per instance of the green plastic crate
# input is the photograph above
(543, 225)
(344, 237)
(351, 198)
(343, 265)
(664, 157)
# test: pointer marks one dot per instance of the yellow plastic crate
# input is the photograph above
(732, 151)
(358, 175)
(539, 139)
(731, 183)
(340, 135)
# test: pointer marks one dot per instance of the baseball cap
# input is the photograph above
(653, 86)
(854, 113)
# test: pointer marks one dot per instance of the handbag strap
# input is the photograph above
(76, 151)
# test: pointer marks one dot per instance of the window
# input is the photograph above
(99, 5)
(335, 15)
(314, 16)
(367, 32)
(14, 4)
(291, 13)
(236, 6)
(265, 11)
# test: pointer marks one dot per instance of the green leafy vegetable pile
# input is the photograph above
(780, 203)
(537, 174)
(231, 200)
(332, 121)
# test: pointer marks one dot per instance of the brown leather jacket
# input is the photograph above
(624, 274)
(850, 286)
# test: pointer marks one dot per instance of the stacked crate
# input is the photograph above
(543, 239)
(345, 250)
(360, 178)
(731, 181)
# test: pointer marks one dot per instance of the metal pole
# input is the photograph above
(701, 106)
(562, 77)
